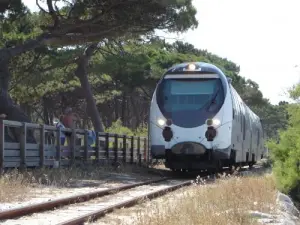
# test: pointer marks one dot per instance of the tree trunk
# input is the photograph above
(82, 73)
(46, 112)
(7, 106)
(116, 108)
(12, 111)
(123, 109)
(136, 114)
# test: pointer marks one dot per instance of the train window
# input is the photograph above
(183, 100)
(233, 103)
(238, 107)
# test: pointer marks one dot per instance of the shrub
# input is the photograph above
(118, 128)
(285, 156)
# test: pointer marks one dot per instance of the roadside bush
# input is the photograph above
(285, 155)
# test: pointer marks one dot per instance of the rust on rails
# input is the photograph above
(102, 212)
(44, 206)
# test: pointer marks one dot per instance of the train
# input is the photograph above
(198, 121)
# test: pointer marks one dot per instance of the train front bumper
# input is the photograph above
(189, 155)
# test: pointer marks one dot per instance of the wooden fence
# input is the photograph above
(47, 150)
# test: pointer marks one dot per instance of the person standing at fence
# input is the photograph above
(58, 124)
(69, 120)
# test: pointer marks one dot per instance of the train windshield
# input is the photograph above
(189, 102)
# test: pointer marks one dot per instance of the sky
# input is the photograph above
(262, 37)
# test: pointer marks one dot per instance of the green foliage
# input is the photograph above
(285, 156)
(118, 128)
(285, 152)
(274, 118)
(142, 131)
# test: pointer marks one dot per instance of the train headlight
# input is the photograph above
(216, 122)
(161, 122)
(167, 134)
(191, 67)
(213, 122)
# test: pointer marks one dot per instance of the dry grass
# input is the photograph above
(16, 185)
(13, 186)
(224, 202)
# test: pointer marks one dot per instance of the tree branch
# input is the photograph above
(40, 7)
(53, 13)
(145, 92)
(8, 53)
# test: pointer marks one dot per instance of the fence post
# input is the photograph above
(2, 144)
(124, 148)
(97, 147)
(107, 146)
(42, 145)
(145, 150)
(116, 148)
(23, 140)
(73, 146)
(131, 150)
(58, 145)
(86, 150)
(139, 156)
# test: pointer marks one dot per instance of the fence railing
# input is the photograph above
(49, 148)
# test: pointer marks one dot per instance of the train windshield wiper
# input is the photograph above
(213, 99)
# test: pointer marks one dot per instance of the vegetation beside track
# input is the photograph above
(227, 201)
(17, 185)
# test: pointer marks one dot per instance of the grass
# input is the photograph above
(16, 185)
(13, 186)
(224, 202)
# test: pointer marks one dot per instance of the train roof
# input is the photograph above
(200, 66)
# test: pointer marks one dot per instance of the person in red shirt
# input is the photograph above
(69, 120)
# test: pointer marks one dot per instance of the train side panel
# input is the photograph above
(238, 141)
(235, 143)
(247, 138)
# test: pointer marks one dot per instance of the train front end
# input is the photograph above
(189, 117)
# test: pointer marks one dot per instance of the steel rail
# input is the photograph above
(44, 206)
(102, 212)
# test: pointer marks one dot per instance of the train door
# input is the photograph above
(251, 150)
(250, 137)
(258, 144)
(235, 119)
(246, 143)
(244, 148)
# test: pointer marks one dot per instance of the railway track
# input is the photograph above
(82, 208)
(86, 207)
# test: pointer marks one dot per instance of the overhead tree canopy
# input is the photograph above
(84, 23)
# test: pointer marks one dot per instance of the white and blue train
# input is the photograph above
(199, 121)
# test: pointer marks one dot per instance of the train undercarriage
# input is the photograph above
(211, 161)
